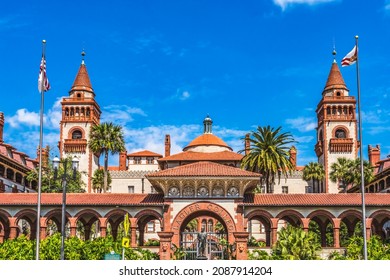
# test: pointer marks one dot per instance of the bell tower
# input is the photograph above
(337, 125)
(80, 112)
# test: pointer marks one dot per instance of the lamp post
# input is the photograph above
(64, 183)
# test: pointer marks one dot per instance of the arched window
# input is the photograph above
(77, 134)
(210, 226)
(340, 133)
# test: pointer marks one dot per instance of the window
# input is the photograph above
(9, 152)
(137, 160)
(340, 133)
(149, 160)
(130, 189)
(150, 227)
(308, 189)
(284, 189)
(77, 134)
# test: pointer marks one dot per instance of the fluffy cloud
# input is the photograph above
(285, 3)
(23, 117)
(302, 124)
(120, 114)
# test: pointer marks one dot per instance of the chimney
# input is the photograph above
(167, 145)
(122, 161)
(374, 154)
(293, 156)
(45, 156)
(247, 144)
(1, 126)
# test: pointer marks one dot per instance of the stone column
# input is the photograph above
(274, 230)
(165, 244)
(1, 233)
(13, 228)
(103, 227)
(368, 227)
(133, 232)
(336, 232)
(305, 224)
(43, 227)
(72, 226)
(241, 245)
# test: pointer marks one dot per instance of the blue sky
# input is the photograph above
(159, 67)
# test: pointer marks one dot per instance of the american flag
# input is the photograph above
(43, 81)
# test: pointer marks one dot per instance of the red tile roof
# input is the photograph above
(335, 79)
(198, 156)
(17, 156)
(144, 153)
(203, 168)
(81, 199)
(207, 140)
(312, 199)
(82, 81)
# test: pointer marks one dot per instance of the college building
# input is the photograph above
(175, 197)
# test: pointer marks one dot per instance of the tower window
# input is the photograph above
(340, 133)
(77, 134)
(338, 93)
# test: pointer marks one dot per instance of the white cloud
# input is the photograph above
(285, 3)
(120, 114)
(185, 95)
(302, 124)
(23, 117)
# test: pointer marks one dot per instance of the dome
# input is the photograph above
(207, 140)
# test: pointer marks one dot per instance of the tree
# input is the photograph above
(98, 180)
(315, 172)
(49, 185)
(347, 172)
(269, 154)
(106, 138)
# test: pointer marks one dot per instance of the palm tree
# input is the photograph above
(269, 154)
(347, 172)
(315, 172)
(340, 172)
(105, 138)
(98, 180)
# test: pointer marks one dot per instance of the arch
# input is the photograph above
(84, 212)
(28, 214)
(293, 217)
(74, 130)
(323, 213)
(203, 208)
(350, 212)
(148, 212)
(340, 131)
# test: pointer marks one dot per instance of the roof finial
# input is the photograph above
(334, 51)
(82, 57)
(207, 123)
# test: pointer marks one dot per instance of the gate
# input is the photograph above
(215, 249)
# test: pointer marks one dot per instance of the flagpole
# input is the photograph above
(361, 156)
(42, 91)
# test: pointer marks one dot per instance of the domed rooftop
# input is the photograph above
(207, 142)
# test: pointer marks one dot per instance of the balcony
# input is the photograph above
(75, 145)
(341, 145)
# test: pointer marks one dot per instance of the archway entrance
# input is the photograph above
(203, 230)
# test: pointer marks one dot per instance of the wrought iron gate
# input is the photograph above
(215, 248)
